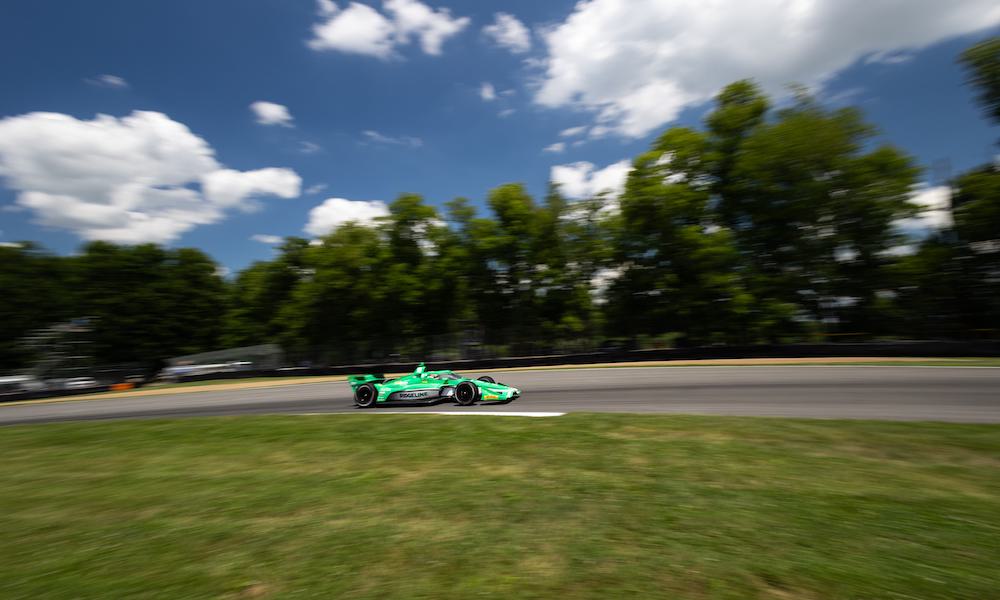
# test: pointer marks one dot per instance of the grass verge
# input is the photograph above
(581, 506)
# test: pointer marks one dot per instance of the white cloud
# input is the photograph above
(901, 250)
(326, 8)
(936, 214)
(638, 63)
(360, 29)
(403, 140)
(843, 97)
(264, 238)
(431, 27)
(506, 112)
(108, 81)
(129, 180)
(602, 280)
(580, 179)
(507, 31)
(334, 212)
(573, 131)
(555, 148)
(309, 147)
(315, 189)
(487, 92)
(269, 113)
(890, 58)
(229, 188)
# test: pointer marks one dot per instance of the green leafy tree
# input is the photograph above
(36, 293)
(148, 303)
(950, 287)
(679, 269)
(194, 296)
(514, 245)
(983, 63)
(330, 314)
(976, 237)
(258, 293)
(813, 211)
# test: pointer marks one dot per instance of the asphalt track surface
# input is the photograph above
(956, 394)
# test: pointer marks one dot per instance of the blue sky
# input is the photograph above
(412, 76)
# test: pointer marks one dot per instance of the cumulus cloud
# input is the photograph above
(935, 203)
(334, 212)
(555, 148)
(108, 81)
(638, 63)
(510, 33)
(140, 178)
(403, 140)
(583, 180)
(360, 29)
(263, 238)
(228, 188)
(269, 113)
(487, 92)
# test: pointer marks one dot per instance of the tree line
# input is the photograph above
(765, 225)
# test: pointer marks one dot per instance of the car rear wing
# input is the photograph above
(356, 380)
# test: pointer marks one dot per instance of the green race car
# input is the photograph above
(428, 387)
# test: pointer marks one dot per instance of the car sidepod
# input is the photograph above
(405, 391)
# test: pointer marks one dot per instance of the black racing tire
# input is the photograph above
(365, 396)
(466, 393)
(487, 379)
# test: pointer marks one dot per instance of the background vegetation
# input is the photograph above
(764, 225)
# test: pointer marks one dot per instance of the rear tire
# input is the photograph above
(365, 396)
(466, 393)
(487, 379)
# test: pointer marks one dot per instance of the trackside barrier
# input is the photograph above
(878, 350)
(53, 393)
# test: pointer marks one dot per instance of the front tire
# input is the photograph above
(365, 396)
(466, 393)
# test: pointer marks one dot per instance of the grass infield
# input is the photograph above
(580, 506)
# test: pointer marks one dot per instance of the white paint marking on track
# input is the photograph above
(493, 413)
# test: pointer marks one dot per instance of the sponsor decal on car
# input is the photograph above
(416, 395)
(491, 397)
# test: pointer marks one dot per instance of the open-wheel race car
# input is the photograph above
(429, 387)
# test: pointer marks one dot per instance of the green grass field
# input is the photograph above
(580, 506)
